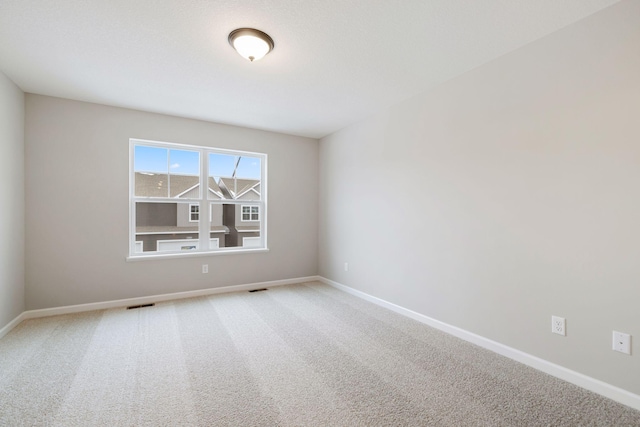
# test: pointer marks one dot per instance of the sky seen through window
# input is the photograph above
(185, 162)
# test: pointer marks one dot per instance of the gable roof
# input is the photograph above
(234, 188)
(149, 184)
(213, 186)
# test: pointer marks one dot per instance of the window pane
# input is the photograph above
(234, 177)
(221, 164)
(151, 184)
(249, 168)
(184, 170)
(151, 171)
(250, 213)
(165, 227)
(167, 196)
(160, 172)
(151, 159)
(229, 231)
(194, 213)
(184, 162)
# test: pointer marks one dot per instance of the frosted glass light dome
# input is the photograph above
(250, 43)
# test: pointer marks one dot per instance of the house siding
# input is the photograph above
(156, 214)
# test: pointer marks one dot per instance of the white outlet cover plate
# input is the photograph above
(622, 342)
(558, 325)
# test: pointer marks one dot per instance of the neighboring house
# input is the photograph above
(173, 225)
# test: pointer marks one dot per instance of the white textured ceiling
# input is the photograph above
(334, 63)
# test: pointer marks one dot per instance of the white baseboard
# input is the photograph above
(600, 387)
(32, 314)
(15, 322)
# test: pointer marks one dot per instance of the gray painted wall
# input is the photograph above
(77, 179)
(511, 194)
(12, 295)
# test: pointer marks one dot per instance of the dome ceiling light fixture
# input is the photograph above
(251, 43)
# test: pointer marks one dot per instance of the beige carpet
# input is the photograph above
(290, 356)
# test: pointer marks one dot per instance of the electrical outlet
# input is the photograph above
(558, 325)
(346, 266)
(622, 342)
(205, 268)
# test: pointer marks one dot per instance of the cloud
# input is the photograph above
(175, 166)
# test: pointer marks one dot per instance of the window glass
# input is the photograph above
(184, 174)
(194, 213)
(234, 177)
(167, 199)
(165, 227)
(160, 172)
(230, 228)
(250, 213)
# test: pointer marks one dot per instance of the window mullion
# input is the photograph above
(168, 173)
(203, 223)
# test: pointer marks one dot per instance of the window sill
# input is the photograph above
(135, 258)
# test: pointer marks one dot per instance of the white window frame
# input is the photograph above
(191, 213)
(250, 213)
(206, 246)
